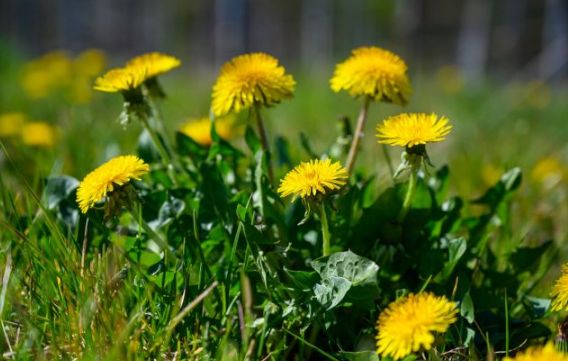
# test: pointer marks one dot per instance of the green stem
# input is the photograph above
(325, 231)
(137, 215)
(389, 160)
(409, 194)
(358, 134)
(157, 142)
(263, 139)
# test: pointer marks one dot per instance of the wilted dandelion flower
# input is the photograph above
(411, 129)
(154, 64)
(102, 181)
(38, 134)
(120, 80)
(546, 353)
(560, 291)
(250, 79)
(11, 124)
(314, 177)
(408, 324)
(200, 129)
(373, 72)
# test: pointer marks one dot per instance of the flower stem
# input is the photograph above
(352, 156)
(157, 142)
(409, 194)
(325, 231)
(263, 139)
(137, 215)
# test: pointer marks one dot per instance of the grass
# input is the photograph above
(239, 278)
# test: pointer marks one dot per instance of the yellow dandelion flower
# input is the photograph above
(38, 134)
(200, 129)
(89, 63)
(549, 171)
(313, 177)
(102, 181)
(408, 325)
(154, 63)
(560, 291)
(373, 72)
(250, 79)
(546, 353)
(120, 80)
(46, 74)
(11, 124)
(410, 129)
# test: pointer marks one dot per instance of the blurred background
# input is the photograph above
(503, 38)
(497, 68)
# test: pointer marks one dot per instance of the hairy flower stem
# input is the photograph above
(409, 193)
(263, 139)
(358, 135)
(325, 231)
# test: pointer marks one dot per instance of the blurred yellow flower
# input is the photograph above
(154, 64)
(250, 79)
(200, 129)
(11, 124)
(549, 171)
(46, 74)
(450, 79)
(120, 80)
(38, 134)
(89, 63)
(560, 291)
(314, 177)
(408, 324)
(410, 129)
(113, 174)
(541, 353)
(490, 173)
(373, 72)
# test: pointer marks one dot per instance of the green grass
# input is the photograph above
(237, 281)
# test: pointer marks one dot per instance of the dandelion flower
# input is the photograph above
(549, 171)
(11, 124)
(373, 72)
(154, 64)
(51, 72)
(408, 325)
(89, 63)
(102, 181)
(560, 291)
(120, 80)
(313, 177)
(250, 79)
(200, 129)
(546, 353)
(38, 134)
(411, 129)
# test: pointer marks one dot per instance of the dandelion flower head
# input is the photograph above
(200, 129)
(120, 80)
(154, 64)
(373, 72)
(11, 124)
(408, 325)
(250, 79)
(545, 353)
(560, 291)
(411, 129)
(38, 134)
(314, 177)
(103, 180)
